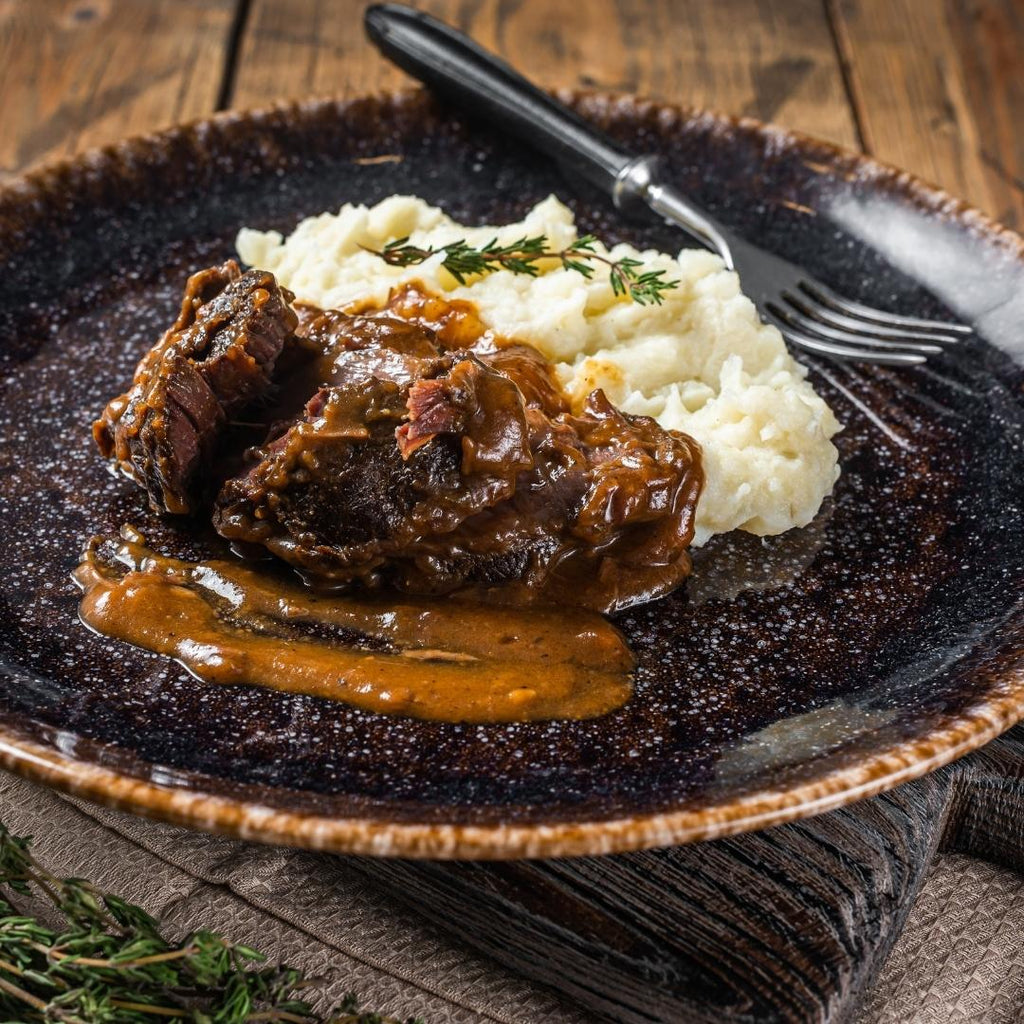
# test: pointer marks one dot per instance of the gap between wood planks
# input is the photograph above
(834, 21)
(239, 24)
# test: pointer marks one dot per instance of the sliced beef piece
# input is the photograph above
(218, 358)
(341, 349)
(404, 340)
(475, 476)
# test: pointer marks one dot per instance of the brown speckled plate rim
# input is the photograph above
(368, 836)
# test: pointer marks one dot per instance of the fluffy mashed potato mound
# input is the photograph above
(702, 362)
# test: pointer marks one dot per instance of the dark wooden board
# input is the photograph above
(791, 924)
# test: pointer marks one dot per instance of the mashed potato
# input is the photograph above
(702, 362)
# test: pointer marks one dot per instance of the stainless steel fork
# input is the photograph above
(809, 314)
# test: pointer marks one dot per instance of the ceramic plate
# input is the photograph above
(789, 676)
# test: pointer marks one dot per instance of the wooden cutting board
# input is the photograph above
(791, 924)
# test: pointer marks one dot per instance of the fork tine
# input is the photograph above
(837, 302)
(865, 339)
(827, 315)
(801, 339)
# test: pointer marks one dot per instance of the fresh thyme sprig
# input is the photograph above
(462, 260)
(111, 965)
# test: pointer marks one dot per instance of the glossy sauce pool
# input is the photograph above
(439, 659)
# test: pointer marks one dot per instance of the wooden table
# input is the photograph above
(935, 87)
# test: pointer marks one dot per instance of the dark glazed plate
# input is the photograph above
(788, 677)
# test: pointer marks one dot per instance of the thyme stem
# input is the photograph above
(159, 1011)
(18, 992)
(462, 260)
(125, 965)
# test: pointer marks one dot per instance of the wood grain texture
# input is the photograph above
(792, 924)
(80, 73)
(939, 90)
(772, 59)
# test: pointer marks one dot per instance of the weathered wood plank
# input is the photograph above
(773, 59)
(939, 89)
(79, 73)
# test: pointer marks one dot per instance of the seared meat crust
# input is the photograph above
(218, 358)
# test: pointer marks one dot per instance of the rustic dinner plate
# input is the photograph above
(789, 676)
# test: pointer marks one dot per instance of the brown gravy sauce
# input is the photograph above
(439, 658)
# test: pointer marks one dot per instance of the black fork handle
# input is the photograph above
(465, 73)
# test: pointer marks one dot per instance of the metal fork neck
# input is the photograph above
(640, 180)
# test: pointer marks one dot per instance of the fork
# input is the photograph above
(810, 315)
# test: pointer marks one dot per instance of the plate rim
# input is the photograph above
(245, 819)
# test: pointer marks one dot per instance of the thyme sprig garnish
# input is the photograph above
(109, 963)
(461, 260)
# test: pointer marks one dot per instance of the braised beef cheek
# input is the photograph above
(431, 471)
(405, 448)
(218, 358)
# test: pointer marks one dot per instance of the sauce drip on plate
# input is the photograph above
(446, 660)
